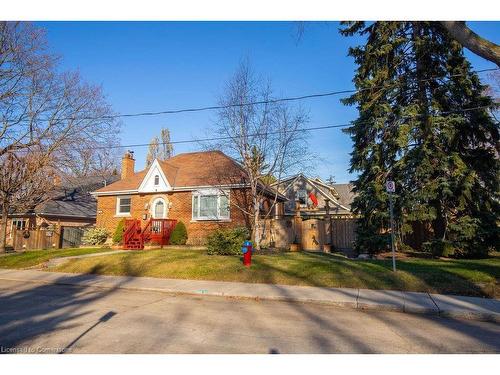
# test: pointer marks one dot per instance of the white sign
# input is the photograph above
(390, 186)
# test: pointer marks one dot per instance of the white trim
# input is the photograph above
(116, 192)
(154, 169)
(174, 189)
(153, 208)
(117, 208)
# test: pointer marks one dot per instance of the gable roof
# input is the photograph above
(192, 169)
(340, 195)
(72, 198)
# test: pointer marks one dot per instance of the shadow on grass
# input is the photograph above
(322, 270)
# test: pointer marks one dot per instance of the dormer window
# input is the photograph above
(157, 180)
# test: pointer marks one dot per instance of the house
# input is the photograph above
(205, 190)
(70, 205)
(311, 197)
(318, 214)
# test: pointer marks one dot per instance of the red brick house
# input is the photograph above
(204, 190)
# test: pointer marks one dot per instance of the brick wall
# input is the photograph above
(181, 209)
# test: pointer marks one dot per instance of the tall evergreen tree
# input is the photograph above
(419, 124)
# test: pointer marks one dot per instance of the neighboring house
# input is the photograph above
(316, 214)
(205, 190)
(70, 204)
(311, 197)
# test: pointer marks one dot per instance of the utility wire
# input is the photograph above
(291, 131)
(259, 102)
(324, 127)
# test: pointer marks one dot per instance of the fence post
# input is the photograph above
(13, 233)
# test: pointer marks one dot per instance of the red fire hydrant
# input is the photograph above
(247, 250)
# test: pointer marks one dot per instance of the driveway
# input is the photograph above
(51, 318)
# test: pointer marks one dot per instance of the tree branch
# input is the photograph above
(472, 41)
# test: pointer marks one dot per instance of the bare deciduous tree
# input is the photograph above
(160, 148)
(24, 183)
(267, 139)
(46, 115)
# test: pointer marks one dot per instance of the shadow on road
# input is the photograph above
(38, 310)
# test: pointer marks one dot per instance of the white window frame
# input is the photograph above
(156, 181)
(24, 221)
(118, 200)
(208, 192)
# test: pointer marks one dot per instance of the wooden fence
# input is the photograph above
(35, 239)
(343, 234)
(42, 238)
(311, 233)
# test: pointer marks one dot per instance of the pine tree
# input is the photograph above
(419, 125)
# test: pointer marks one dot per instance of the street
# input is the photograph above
(37, 317)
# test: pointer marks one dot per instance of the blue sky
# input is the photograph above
(153, 66)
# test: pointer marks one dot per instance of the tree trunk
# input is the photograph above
(3, 228)
(439, 223)
(470, 40)
(256, 231)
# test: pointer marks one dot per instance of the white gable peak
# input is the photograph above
(155, 180)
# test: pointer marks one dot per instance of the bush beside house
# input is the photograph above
(179, 235)
(95, 236)
(118, 235)
(227, 241)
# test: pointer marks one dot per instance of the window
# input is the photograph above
(123, 206)
(157, 180)
(159, 209)
(210, 204)
(19, 224)
(302, 197)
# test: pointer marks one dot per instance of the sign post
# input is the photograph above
(390, 187)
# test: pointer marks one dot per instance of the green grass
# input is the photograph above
(33, 258)
(464, 277)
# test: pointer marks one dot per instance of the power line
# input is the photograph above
(314, 128)
(260, 102)
(324, 127)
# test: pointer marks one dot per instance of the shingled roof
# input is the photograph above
(345, 194)
(192, 169)
(71, 198)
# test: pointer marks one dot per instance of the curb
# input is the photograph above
(396, 304)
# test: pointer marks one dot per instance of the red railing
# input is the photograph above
(132, 238)
(156, 230)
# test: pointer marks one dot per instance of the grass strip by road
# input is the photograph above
(462, 277)
(34, 258)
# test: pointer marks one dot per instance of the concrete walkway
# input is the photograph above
(366, 299)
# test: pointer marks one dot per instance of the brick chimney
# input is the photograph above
(128, 164)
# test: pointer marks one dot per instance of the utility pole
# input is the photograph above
(390, 187)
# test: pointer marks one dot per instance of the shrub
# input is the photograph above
(118, 235)
(95, 236)
(439, 248)
(227, 241)
(179, 234)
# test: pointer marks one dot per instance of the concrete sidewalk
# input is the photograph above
(409, 302)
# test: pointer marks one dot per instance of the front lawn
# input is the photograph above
(464, 277)
(33, 258)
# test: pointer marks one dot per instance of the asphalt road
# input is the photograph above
(52, 318)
